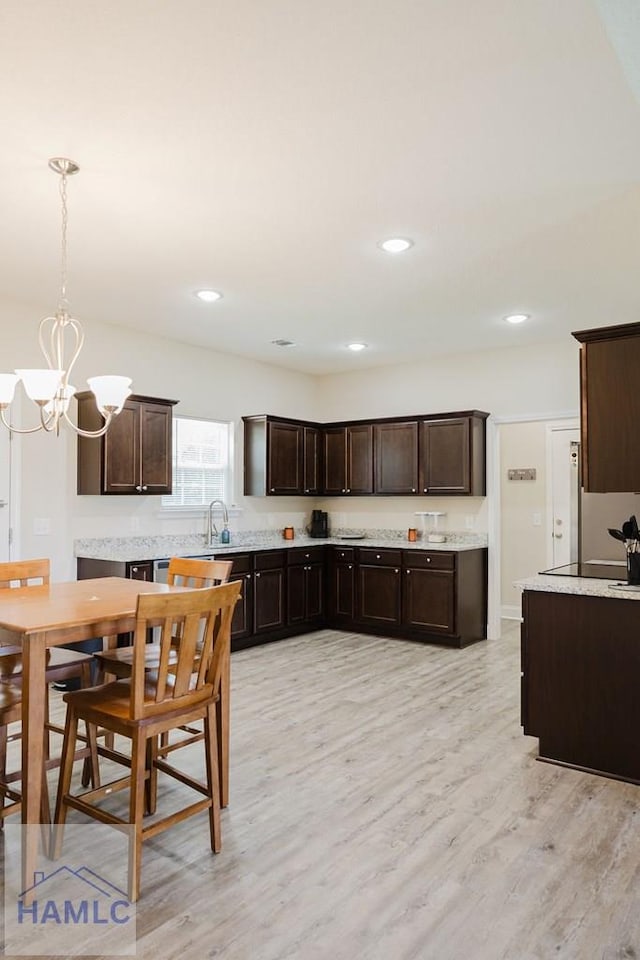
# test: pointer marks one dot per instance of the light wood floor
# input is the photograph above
(386, 806)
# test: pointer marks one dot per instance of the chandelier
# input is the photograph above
(61, 337)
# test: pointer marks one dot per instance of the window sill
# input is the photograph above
(197, 512)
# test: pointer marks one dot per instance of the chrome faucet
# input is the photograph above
(212, 530)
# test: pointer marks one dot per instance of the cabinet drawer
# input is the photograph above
(388, 558)
(269, 560)
(241, 564)
(343, 554)
(300, 555)
(421, 560)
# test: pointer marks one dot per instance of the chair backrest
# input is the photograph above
(192, 572)
(193, 635)
(22, 573)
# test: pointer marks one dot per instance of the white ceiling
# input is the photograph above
(264, 148)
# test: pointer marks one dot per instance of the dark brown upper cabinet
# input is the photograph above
(452, 455)
(610, 408)
(348, 460)
(281, 457)
(395, 448)
(135, 454)
(440, 454)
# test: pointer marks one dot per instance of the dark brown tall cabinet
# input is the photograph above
(610, 408)
(348, 459)
(135, 454)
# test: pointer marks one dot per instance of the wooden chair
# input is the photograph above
(182, 571)
(62, 664)
(194, 636)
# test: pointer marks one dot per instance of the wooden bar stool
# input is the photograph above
(194, 630)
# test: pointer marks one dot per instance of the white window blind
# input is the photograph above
(201, 462)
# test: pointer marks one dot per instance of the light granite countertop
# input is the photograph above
(138, 549)
(582, 586)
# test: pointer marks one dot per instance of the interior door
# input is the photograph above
(565, 481)
(5, 493)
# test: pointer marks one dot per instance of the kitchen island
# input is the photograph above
(581, 672)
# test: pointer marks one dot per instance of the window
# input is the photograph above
(202, 461)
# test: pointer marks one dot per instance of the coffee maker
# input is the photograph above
(319, 526)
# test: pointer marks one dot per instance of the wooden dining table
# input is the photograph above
(46, 616)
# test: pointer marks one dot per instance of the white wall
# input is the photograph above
(520, 380)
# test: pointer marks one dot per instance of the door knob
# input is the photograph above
(558, 536)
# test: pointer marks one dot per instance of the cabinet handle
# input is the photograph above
(257, 575)
(307, 555)
(377, 556)
(413, 489)
(428, 559)
(396, 570)
(248, 576)
(426, 490)
(134, 569)
(408, 572)
(343, 490)
(273, 490)
(138, 488)
(350, 567)
(348, 489)
(144, 486)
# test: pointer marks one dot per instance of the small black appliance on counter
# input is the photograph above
(319, 526)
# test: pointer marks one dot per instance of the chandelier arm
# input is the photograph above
(17, 429)
(79, 335)
(88, 433)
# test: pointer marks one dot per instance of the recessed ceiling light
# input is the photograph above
(396, 244)
(517, 318)
(209, 296)
(356, 347)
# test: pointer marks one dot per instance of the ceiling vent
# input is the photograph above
(283, 343)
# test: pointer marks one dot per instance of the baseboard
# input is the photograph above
(511, 611)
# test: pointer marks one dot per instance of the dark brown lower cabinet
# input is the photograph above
(305, 586)
(342, 585)
(242, 622)
(580, 669)
(269, 611)
(379, 588)
(437, 596)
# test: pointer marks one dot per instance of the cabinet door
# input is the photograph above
(335, 460)
(314, 591)
(268, 600)
(379, 595)
(445, 456)
(429, 600)
(121, 451)
(360, 459)
(284, 454)
(156, 448)
(140, 571)
(343, 592)
(296, 612)
(610, 410)
(395, 447)
(311, 439)
(242, 622)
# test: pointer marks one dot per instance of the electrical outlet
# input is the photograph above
(469, 522)
(536, 519)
